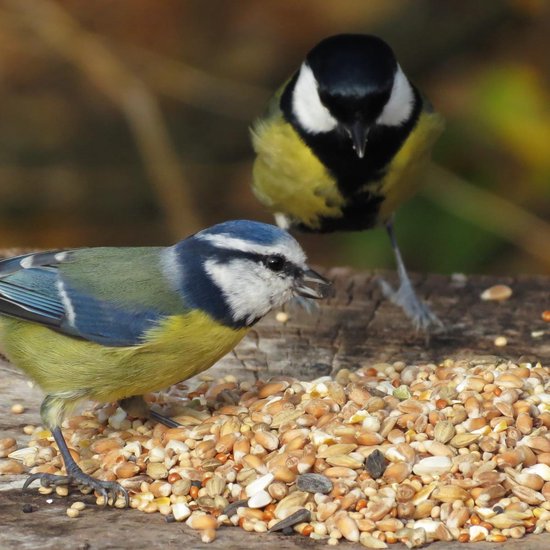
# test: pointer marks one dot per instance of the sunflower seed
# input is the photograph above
(300, 516)
(376, 464)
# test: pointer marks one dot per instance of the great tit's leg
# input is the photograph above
(136, 406)
(107, 489)
(405, 296)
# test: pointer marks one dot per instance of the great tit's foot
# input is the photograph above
(107, 489)
(421, 316)
(308, 304)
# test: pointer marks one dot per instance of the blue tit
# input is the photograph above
(342, 145)
(110, 324)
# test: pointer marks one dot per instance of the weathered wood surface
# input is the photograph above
(355, 327)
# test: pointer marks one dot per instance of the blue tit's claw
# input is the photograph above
(421, 316)
(109, 490)
(46, 480)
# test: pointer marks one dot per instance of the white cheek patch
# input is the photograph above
(248, 289)
(399, 107)
(312, 115)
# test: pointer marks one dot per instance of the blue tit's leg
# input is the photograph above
(107, 489)
(405, 296)
(136, 406)
(163, 420)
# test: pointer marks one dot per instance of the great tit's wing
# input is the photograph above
(107, 295)
(272, 110)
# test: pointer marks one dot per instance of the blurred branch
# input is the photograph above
(489, 211)
(199, 88)
(87, 52)
(455, 26)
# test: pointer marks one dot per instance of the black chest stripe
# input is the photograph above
(351, 173)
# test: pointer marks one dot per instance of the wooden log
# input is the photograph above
(356, 327)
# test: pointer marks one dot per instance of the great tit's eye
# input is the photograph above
(275, 262)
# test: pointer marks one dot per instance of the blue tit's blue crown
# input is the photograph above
(248, 231)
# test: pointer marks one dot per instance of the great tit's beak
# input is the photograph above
(358, 133)
(312, 285)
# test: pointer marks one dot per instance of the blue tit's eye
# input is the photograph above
(275, 262)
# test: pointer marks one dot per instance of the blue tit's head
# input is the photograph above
(349, 83)
(239, 270)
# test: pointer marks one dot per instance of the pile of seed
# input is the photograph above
(393, 452)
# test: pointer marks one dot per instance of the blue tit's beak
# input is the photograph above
(359, 132)
(312, 285)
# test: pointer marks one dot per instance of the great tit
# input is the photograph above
(341, 145)
(110, 324)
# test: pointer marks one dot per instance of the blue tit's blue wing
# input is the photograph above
(30, 293)
(109, 296)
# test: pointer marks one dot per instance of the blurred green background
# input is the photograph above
(125, 122)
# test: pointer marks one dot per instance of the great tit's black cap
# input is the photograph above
(350, 68)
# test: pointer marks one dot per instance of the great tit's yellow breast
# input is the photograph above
(403, 176)
(288, 177)
(180, 347)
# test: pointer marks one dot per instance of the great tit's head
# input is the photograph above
(349, 83)
(239, 270)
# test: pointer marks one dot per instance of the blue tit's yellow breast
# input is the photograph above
(185, 345)
(180, 347)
